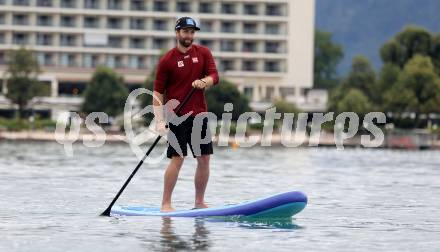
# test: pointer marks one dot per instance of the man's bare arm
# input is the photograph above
(158, 106)
(203, 82)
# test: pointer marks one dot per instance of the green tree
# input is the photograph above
(327, 56)
(398, 100)
(361, 84)
(417, 89)
(22, 73)
(354, 101)
(435, 53)
(226, 92)
(147, 99)
(388, 77)
(105, 92)
(407, 43)
(419, 77)
(284, 106)
(362, 77)
(335, 95)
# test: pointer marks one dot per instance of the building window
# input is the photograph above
(68, 4)
(153, 60)
(44, 3)
(67, 40)
(2, 58)
(115, 42)
(272, 47)
(91, 22)
(227, 46)
(90, 60)
(20, 38)
(249, 46)
(226, 65)
(183, 6)
(228, 27)
(2, 2)
(2, 18)
(270, 92)
(207, 43)
(159, 43)
(273, 10)
(137, 62)
(137, 23)
(119, 62)
(248, 92)
(160, 25)
(21, 2)
(272, 29)
(250, 28)
(137, 43)
(44, 39)
(68, 21)
(114, 4)
(67, 89)
(2, 38)
(249, 65)
(250, 9)
(20, 19)
(137, 5)
(160, 6)
(45, 59)
(206, 26)
(114, 61)
(228, 8)
(206, 7)
(91, 4)
(44, 20)
(68, 60)
(287, 91)
(114, 23)
(272, 66)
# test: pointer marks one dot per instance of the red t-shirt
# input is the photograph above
(176, 72)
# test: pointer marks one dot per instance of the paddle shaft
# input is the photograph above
(179, 108)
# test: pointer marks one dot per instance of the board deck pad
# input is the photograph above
(283, 205)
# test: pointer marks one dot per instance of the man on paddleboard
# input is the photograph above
(182, 68)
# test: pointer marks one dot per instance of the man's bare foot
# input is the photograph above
(167, 209)
(200, 205)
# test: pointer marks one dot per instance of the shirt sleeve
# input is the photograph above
(210, 67)
(161, 77)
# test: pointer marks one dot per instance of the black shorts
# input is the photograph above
(184, 136)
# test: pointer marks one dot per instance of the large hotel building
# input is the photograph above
(265, 47)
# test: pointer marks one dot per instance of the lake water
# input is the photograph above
(359, 200)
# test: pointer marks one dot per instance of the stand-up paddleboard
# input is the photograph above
(283, 205)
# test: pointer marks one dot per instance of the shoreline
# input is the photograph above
(326, 140)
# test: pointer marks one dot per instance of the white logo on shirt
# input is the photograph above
(186, 56)
(195, 60)
(180, 63)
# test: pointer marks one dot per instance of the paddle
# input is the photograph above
(178, 109)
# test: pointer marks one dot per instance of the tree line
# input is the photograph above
(407, 87)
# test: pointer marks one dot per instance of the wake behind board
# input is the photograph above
(283, 205)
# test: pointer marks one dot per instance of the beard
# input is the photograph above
(186, 42)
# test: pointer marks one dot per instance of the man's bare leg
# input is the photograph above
(170, 179)
(201, 180)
